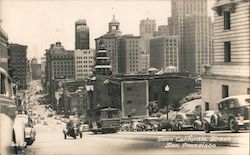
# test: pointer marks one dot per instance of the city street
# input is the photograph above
(50, 141)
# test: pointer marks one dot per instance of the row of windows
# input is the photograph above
(133, 66)
(84, 62)
(63, 66)
(133, 62)
(63, 62)
(84, 70)
(133, 54)
(90, 57)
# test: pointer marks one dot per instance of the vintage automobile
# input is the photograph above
(186, 121)
(84, 127)
(151, 123)
(29, 133)
(233, 113)
(166, 123)
(72, 129)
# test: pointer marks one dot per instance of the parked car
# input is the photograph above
(166, 123)
(84, 128)
(151, 123)
(29, 133)
(137, 125)
(186, 121)
(233, 113)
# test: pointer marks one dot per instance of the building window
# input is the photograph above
(248, 90)
(227, 51)
(224, 91)
(206, 106)
(227, 20)
(129, 102)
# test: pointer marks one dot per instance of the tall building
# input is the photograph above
(3, 49)
(197, 41)
(147, 29)
(43, 63)
(102, 61)
(84, 63)
(60, 65)
(181, 9)
(129, 56)
(19, 65)
(164, 52)
(59, 62)
(229, 73)
(81, 35)
(110, 40)
(35, 69)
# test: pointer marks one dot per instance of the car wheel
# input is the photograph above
(233, 125)
(195, 127)
(213, 120)
(65, 136)
(206, 127)
(80, 135)
(29, 141)
(179, 127)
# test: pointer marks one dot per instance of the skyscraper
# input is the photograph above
(197, 42)
(110, 39)
(81, 35)
(164, 52)
(181, 9)
(147, 28)
(129, 55)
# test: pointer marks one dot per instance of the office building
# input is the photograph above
(181, 9)
(197, 42)
(35, 69)
(229, 73)
(147, 28)
(81, 35)
(84, 63)
(129, 56)
(19, 65)
(164, 52)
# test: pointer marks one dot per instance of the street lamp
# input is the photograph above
(167, 90)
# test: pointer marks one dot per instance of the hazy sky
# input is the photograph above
(35, 22)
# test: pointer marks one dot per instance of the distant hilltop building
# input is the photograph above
(81, 35)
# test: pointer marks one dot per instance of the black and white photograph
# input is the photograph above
(124, 77)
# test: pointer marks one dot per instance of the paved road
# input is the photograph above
(50, 141)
